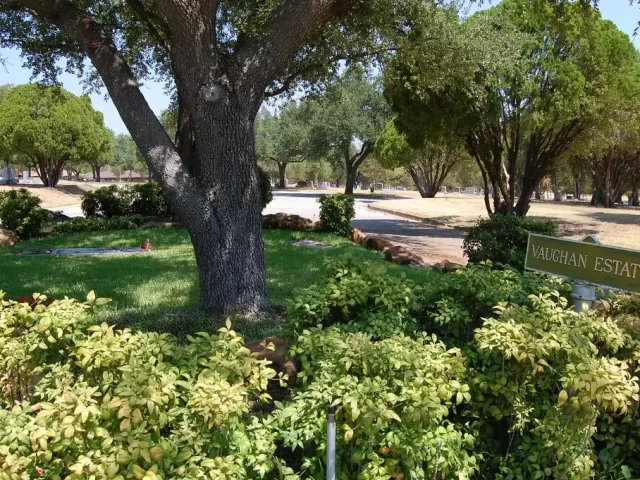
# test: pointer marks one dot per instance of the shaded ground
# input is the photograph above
(167, 276)
(619, 226)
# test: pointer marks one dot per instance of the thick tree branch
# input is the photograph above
(194, 53)
(150, 137)
(290, 24)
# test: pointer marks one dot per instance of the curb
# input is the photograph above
(417, 218)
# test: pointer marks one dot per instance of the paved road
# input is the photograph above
(433, 243)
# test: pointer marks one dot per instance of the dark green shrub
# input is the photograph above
(502, 239)
(336, 213)
(147, 200)
(76, 225)
(459, 302)
(357, 297)
(105, 202)
(20, 211)
(266, 192)
(144, 199)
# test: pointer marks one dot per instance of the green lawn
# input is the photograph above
(165, 279)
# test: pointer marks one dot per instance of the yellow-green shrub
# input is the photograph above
(86, 401)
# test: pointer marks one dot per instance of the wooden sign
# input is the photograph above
(610, 266)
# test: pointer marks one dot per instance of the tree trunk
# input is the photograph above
(537, 192)
(49, 171)
(577, 188)
(352, 173)
(282, 177)
(635, 193)
(97, 170)
(524, 200)
(223, 215)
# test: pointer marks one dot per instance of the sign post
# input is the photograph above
(589, 262)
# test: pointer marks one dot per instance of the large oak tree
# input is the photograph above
(223, 57)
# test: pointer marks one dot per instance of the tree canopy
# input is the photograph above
(529, 77)
(51, 126)
(345, 122)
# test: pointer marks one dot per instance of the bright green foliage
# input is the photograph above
(51, 126)
(20, 211)
(336, 213)
(502, 239)
(393, 399)
(455, 306)
(357, 297)
(145, 199)
(80, 224)
(84, 401)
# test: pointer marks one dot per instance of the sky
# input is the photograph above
(625, 16)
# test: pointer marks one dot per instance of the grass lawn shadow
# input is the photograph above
(159, 290)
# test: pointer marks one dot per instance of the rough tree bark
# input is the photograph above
(218, 201)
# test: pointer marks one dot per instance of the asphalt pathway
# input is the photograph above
(433, 243)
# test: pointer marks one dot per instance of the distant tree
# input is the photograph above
(372, 172)
(75, 168)
(282, 138)
(125, 154)
(345, 122)
(428, 165)
(51, 126)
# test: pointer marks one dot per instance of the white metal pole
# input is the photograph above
(331, 443)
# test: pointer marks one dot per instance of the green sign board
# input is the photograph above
(599, 264)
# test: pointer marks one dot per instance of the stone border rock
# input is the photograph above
(399, 254)
(8, 238)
